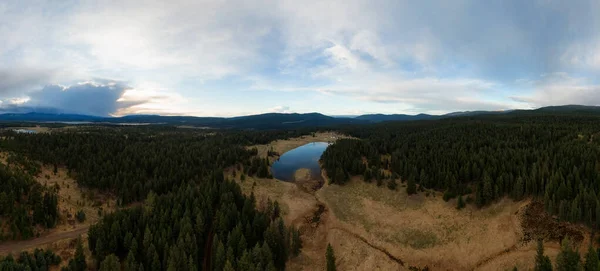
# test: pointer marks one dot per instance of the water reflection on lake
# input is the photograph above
(306, 156)
(24, 131)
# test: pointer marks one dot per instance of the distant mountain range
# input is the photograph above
(274, 120)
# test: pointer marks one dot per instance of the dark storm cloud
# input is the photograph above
(90, 98)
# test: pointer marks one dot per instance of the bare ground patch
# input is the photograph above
(537, 223)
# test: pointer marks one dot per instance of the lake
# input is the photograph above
(24, 131)
(306, 156)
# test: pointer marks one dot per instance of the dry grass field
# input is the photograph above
(73, 198)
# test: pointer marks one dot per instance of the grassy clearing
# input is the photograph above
(73, 198)
(424, 230)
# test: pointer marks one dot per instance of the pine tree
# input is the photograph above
(79, 260)
(598, 213)
(330, 258)
(130, 263)
(245, 263)
(460, 203)
(340, 176)
(296, 244)
(411, 187)
(367, 176)
(542, 262)
(568, 259)
(488, 193)
(220, 256)
(518, 189)
(392, 184)
(111, 263)
(228, 266)
(591, 260)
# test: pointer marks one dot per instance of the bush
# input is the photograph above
(461, 203)
(448, 195)
(411, 187)
(80, 216)
(392, 184)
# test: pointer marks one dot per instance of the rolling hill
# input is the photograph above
(278, 120)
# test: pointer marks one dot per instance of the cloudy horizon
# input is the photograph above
(228, 58)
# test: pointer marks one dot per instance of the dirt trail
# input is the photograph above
(17, 246)
(495, 256)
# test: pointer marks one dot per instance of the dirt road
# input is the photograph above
(17, 246)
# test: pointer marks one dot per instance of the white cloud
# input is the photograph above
(560, 89)
(583, 55)
(150, 98)
(16, 80)
(280, 109)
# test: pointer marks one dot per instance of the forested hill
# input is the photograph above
(552, 156)
(274, 121)
(271, 121)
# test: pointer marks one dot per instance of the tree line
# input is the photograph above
(130, 162)
(553, 157)
(38, 260)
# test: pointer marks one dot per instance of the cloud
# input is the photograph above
(90, 98)
(280, 109)
(14, 81)
(99, 97)
(583, 56)
(559, 89)
(431, 55)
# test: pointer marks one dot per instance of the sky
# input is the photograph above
(346, 57)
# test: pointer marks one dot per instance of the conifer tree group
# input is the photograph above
(554, 158)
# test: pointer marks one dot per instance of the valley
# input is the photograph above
(386, 196)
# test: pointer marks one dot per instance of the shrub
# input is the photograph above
(80, 216)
